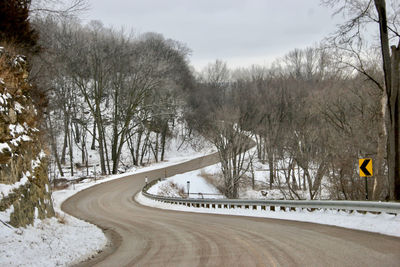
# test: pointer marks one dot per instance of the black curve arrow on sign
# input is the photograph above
(363, 167)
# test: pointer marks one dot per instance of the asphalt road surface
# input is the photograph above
(143, 236)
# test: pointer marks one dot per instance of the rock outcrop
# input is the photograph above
(24, 185)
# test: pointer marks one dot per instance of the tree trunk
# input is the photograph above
(93, 146)
(115, 160)
(380, 157)
(258, 142)
(118, 152)
(253, 183)
(101, 148)
(294, 186)
(106, 151)
(391, 74)
(144, 147)
(77, 134)
(54, 147)
(163, 140)
(84, 155)
(115, 136)
(155, 151)
(299, 177)
(139, 140)
(394, 142)
(271, 169)
(71, 157)
(235, 191)
(65, 144)
(132, 150)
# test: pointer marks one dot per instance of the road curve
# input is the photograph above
(144, 236)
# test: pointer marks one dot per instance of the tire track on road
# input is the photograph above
(144, 236)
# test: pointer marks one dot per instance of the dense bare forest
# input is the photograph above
(115, 90)
(312, 114)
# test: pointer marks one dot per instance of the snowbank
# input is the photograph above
(49, 243)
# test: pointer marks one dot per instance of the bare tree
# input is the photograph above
(349, 37)
(120, 89)
(232, 142)
(60, 9)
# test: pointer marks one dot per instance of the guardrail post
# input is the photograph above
(271, 208)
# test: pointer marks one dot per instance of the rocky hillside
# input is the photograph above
(24, 185)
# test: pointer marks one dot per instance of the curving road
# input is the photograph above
(143, 236)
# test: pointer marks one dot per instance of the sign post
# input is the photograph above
(94, 170)
(365, 171)
(188, 187)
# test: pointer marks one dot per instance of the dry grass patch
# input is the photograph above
(171, 189)
(213, 179)
(61, 218)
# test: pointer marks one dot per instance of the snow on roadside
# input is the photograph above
(274, 194)
(382, 223)
(51, 243)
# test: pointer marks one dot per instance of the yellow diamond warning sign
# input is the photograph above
(365, 167)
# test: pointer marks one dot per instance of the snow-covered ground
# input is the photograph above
(201, 188)
(50, 242)
(198, 186)
(64, 240)
(383, 223)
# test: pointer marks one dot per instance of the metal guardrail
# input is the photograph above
(274, 205)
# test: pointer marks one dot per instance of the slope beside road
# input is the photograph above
(143, 236)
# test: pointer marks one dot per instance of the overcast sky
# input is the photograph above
(240, 32)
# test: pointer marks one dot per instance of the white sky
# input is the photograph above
(240, 32)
